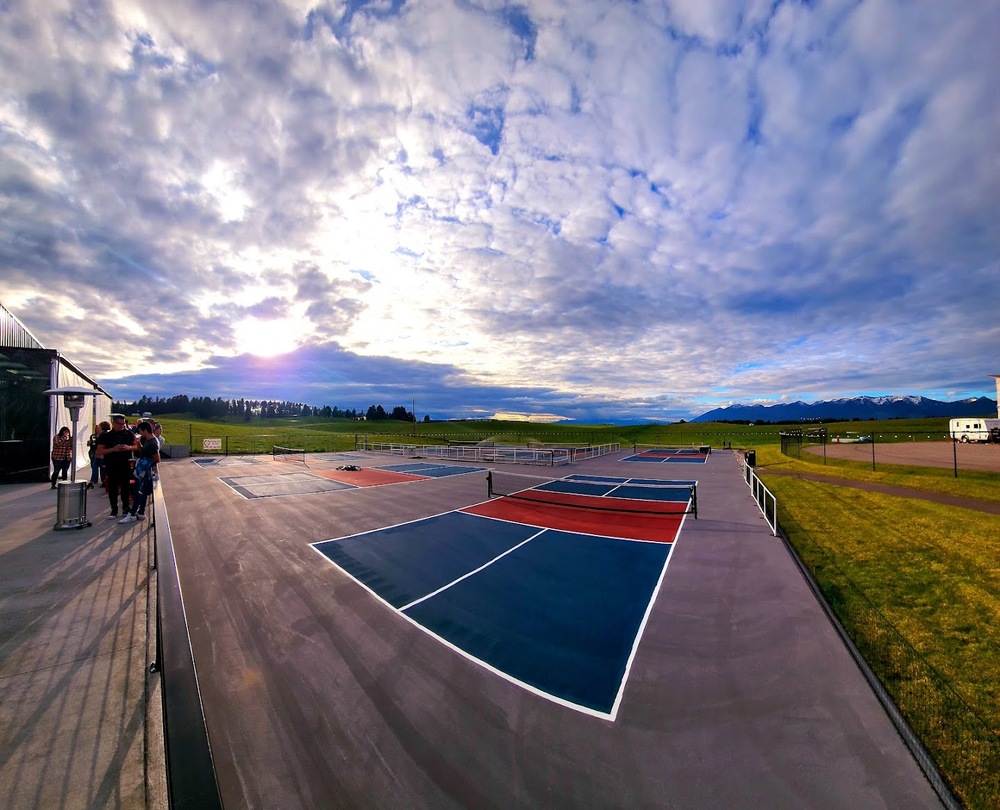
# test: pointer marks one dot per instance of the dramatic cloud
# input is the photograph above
(600, 210)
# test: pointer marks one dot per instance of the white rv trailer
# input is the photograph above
(974, 429)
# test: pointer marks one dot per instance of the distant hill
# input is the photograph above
(897, 407)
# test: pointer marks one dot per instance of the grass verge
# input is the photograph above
(917, 585)
(984, 486)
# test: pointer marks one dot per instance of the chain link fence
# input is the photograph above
(227, 440)
(883, 448)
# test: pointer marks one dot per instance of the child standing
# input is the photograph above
(62, 454)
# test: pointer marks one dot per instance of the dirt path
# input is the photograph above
(984, 457)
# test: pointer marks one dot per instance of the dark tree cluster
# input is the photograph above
(376, 413)
(247, 409)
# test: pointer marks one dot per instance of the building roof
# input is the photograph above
(14, 334)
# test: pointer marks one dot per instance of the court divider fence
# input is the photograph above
(490, 453)
(955, 746)
(235, 440)
(207, 440)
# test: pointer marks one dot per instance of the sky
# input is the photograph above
(599, 211)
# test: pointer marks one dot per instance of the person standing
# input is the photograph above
(62, 454)
(96, 464)
(148, 456)
(115, 447)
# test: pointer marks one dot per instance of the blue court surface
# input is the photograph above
(430, 469)
(670, 456)
(642, 489)
(559, 612)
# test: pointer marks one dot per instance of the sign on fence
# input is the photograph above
(211, 444)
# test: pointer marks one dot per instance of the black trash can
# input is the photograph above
(751, 458)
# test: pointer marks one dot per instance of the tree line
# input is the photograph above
(247, 409)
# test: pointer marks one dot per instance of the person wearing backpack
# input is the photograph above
(148, 456)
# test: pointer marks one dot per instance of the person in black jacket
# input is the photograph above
(115, 447)
(147, 456)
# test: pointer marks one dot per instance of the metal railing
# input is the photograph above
(191, 778)
(765, 499)
(482, 455)
(582, 453)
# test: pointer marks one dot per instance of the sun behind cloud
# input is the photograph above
(268, 337)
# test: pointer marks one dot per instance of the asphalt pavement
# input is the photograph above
(80, 720)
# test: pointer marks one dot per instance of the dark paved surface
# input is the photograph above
(318, 695)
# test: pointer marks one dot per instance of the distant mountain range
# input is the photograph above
(854, 408)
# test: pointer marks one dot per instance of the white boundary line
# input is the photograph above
(642, 625)
(284, 494)
(475, 571)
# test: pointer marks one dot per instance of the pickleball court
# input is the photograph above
(406, 639)
(324, 478)
(670, 455)
(549, 587)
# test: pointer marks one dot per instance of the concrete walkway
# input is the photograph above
(80, 720)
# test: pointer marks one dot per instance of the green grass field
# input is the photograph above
(179, 429)
(929, 573)
(926, 571)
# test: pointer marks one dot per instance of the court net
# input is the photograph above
(613, 495)
(292, 454)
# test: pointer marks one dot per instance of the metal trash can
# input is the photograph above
(71, 505)
(751, 458)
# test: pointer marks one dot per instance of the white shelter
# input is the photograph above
(29, 418)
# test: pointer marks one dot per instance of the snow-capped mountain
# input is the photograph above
(844, 409)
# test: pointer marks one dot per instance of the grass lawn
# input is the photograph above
(930, 571)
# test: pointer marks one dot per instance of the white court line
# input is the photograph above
(642, 625)
(482, 567)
